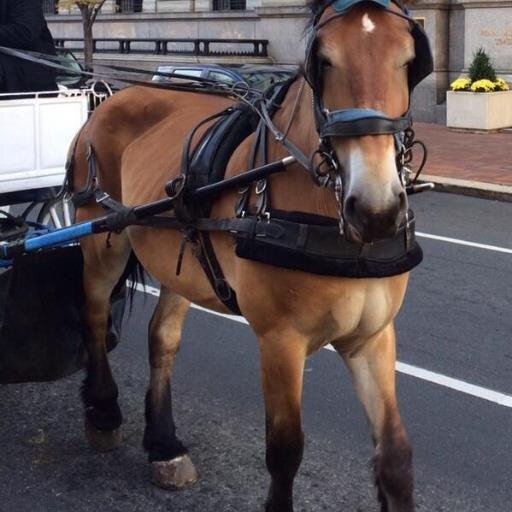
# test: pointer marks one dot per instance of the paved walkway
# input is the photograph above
(473, 157)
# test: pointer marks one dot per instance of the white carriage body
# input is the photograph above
(35, 134)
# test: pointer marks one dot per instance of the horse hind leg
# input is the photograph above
(170, 463)
(103, 268)
(373, 374)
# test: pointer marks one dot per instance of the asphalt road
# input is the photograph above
(457, 321)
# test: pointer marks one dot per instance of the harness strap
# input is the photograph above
(248, 226)
(69, 166)
(85, 194)
(362, 121)
(286, 142)
(210, 264)
(198, 84)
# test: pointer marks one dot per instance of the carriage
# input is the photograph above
(40, 295)
(315, 255)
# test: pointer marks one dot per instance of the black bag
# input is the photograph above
(41, 333)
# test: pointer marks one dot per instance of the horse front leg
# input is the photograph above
(170, 463)
(373, 373)
(282, 366)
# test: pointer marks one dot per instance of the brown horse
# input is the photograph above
(137, 137)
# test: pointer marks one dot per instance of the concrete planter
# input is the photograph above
(479, 110)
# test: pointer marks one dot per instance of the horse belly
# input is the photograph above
(158, 251)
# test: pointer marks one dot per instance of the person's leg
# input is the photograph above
(2, 79)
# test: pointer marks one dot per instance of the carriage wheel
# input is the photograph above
(57, 213)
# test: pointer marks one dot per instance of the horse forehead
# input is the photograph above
(358, 24)
(359, 27)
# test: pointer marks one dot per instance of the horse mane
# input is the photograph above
(317, 6)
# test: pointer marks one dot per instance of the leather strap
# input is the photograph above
(196, 85)
(210, 264)
(361, 121)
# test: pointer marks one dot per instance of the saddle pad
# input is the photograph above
(212, 153)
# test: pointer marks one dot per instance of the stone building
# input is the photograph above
(456, 29)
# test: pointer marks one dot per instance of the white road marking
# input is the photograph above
(464, 242)
(407, 369)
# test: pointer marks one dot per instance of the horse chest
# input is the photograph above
(365, 307)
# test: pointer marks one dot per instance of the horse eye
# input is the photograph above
(325, 63)
(409, 62)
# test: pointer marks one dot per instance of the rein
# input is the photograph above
(198, 84)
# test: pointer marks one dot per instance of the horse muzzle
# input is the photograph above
(364, 223)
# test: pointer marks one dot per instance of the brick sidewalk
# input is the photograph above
(485, 157)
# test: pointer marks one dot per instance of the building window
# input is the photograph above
(229, 5)
(129, 5)
(50, 6)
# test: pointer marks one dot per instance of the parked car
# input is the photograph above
(71, 81)
(256, 76)
(74, 81)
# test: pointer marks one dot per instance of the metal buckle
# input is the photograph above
(104, 196)
(338, 194)
(261, 186)
(408, 232)
(405, 175)
(175, 187)
(222, 288)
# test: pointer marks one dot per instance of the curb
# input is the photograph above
(470, 188)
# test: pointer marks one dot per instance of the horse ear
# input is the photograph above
(315, 6)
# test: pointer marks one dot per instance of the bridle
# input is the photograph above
(354, 122)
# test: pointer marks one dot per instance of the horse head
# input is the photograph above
(362, 62)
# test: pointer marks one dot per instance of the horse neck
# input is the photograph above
(294, 189)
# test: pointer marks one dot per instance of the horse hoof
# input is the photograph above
(174, 474)
(103, 440)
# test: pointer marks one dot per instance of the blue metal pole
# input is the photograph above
(59, 237)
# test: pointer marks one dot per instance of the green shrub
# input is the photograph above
(481, 67)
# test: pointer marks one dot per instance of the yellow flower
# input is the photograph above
(482, 86)
(461, 84)
(501, 85)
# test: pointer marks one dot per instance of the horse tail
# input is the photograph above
(133, 278)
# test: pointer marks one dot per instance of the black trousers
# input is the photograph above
(2, 83)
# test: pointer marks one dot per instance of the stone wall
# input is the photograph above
(456, 28)
(488, 24)
(282, 26)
